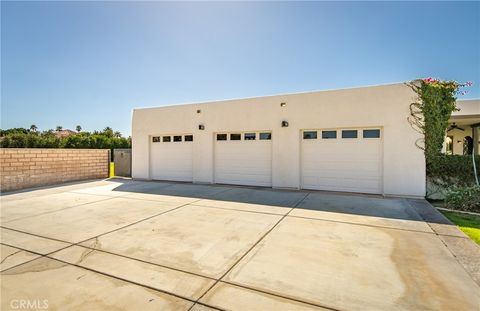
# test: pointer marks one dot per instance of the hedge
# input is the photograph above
(452, 171)
(465, 199)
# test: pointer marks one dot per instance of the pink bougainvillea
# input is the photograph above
(449, 84)
(430, 80)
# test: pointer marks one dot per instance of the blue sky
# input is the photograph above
(91, 63)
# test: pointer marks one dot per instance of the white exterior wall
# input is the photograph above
(384, 106)
(467, 107)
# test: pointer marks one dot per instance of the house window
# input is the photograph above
(235, 136)
(166, 139)
(265, 136)
(156, 139)
(188, 137)
(249, 136)
(371, 133)
(329, 134)
(221, 136)
(177, 138)
(349, 134)
(310, 135)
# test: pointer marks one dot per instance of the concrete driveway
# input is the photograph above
(122, 244)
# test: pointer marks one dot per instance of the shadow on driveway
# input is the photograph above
(302, 200)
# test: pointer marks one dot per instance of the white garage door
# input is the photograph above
(171, 157)
(342, 160)
(243, 158)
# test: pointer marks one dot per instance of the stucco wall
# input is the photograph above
(384, 106)
(22, 168)
(467, 107)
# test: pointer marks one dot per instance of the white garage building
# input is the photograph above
(352, 140)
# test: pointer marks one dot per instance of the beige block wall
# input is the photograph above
(22, 168)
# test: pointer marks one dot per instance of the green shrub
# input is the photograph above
(465, 199)
(452, 171)
(23, 138)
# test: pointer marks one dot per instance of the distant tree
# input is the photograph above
(78, 128)
(108, 131)
(16, 140)
(25, 138)
(33, 128)
(15, 130)
(59, 128)
(75, 141)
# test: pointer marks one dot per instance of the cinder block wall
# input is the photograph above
(22, 168)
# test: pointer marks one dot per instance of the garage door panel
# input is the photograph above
(341, 164)
(171, 161)
(247, 170)
(243, 162)
(244, 179)
(339, 167)
(246, 147)
(344, 150)
(227, 158)
(347, 164)
(234, 164)
(349, 185)
(345, 174)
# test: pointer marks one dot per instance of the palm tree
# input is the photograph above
(59, 128)
(117, 134)
(78, 128)
(33, 128)
(108, 131)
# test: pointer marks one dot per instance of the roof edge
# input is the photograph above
(271, 95)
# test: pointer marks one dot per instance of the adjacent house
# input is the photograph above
(463, 129)
(352, 140)
(64, 133)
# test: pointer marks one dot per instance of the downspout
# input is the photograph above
(475, 141)
(474, 168)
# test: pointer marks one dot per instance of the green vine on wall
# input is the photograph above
(430, 113)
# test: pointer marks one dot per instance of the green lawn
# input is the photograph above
(470, 224)
(112, 169)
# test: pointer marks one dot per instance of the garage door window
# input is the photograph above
(310, 135)
(371, 133)
(166, 139)
(349, 134)
(188, 137)
(265, 136)
(156, 139)
(177, 138)
(221, 136)
(235, 137)
(329, 134)
(249, 136)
